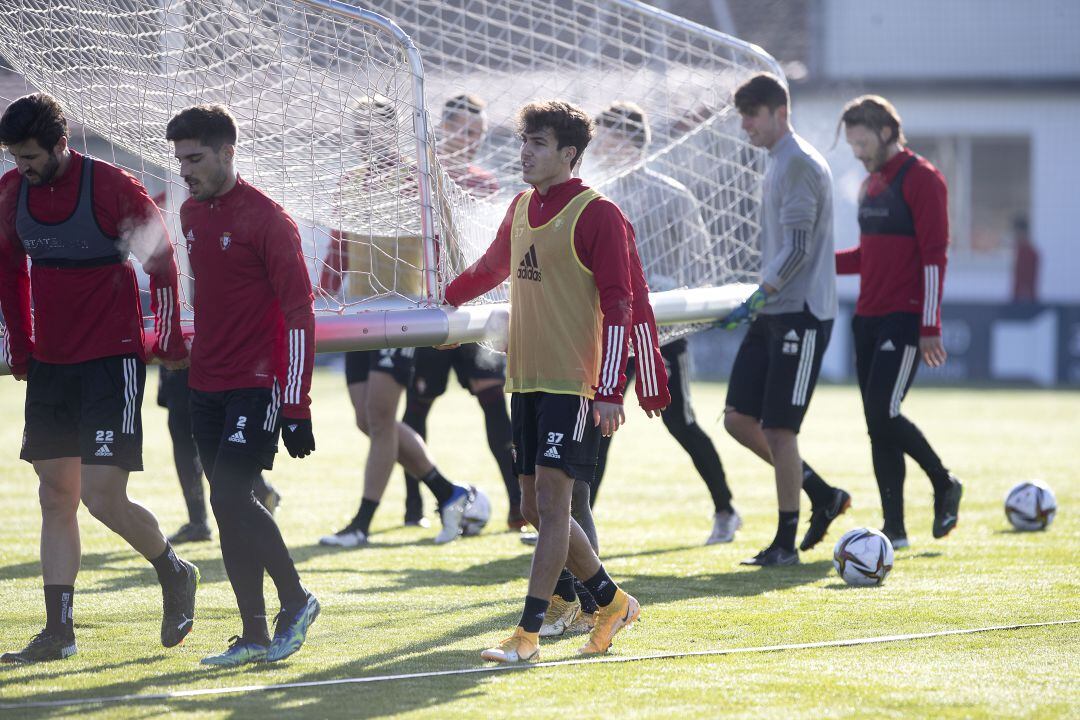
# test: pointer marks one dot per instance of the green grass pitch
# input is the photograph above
(406, 606)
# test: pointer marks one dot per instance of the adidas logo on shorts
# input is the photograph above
(791, 343)
(238, 437)
(888, 345)
(103, 451)
(553, 453)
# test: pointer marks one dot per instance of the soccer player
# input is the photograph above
(900, 259)
(479, 370)
(376, 379)
(82, 355)
(462, 130)
(578, 294)
(251, 363)
(175, 396)
(671, 235)
(790, 315)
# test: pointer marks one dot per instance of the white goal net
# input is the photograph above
(366, 130)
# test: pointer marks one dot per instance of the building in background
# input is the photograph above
(989, 91)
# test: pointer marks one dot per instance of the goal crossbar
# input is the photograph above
(422, 327)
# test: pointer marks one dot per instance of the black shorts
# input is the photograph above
(91, 410)
(247, 420)
(469, 362)
(554, 431)
(393, 361)
(777, 367)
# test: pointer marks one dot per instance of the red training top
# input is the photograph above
(85, 313)
(901, 272)
(474, 180)
(254, 315)
(605, 243)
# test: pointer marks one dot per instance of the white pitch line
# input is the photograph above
(180, 694)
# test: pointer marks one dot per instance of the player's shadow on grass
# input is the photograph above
(357, 700)
(90, 562)
(490, 573)
(110, 579)
(737, 583)
(122, 569)
(49, 671)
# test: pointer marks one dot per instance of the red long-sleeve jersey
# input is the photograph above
(84, 313)
(254, 316)
(903, 272)
(605, 244)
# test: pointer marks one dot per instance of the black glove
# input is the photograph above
(297, 436)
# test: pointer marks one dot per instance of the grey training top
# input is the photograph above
(797, 249)
(671, 236)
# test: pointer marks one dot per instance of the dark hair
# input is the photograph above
(464, 102)
(373, 107)
(572, 127)
(762, 90)
(873, 112)
(211, 125)
(38, 117)
(629, 119)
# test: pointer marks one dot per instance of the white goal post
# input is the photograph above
(342, 120)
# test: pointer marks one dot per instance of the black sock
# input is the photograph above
(416, 412)
(255, 629)
(785, 530)
(293, 605)
(168, 566)
(588, 602)
(414, 502)
(58, 609)
(819, 491)
(194, 497)
(532, 617)
(564, 588)
(500, 438)
(602, 587)
(440, 487)
(941, 480)
(362, 521)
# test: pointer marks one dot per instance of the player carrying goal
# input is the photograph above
(671, 236)
(250, 373)
(578, 295)
(82, 357)
(376, 379)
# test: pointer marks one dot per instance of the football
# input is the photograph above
(863, 557)
(477, 514)
(1031, 506)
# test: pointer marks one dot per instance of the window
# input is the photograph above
(989, 181)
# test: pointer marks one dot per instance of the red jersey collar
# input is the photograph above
(72, 175)
(890, 168)
(562, 191)
(234, 192)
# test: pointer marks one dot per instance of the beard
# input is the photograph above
(48, 172)
(877, 161)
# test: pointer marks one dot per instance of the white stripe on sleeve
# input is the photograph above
(646, 360)
(609, 376)
(296, 366)
(931, 286)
